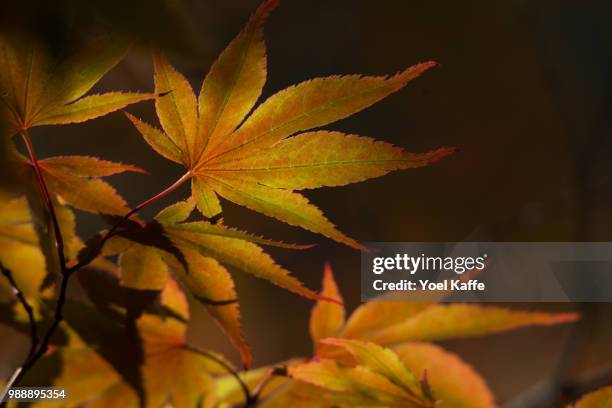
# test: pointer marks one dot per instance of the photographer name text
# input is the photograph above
(425, 284)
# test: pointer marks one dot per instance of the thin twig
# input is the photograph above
(42, 348)
(258, 391)
(248, 397)
(44, 344)
(59, 240)
(127, 216)
(24, 302)
(66, 272)
(8, 387)
(59, 244)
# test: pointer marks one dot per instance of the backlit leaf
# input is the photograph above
(194, 230)
(87, 194)
(285, 205)
(242, 255)
(142, 268)
(319, 159)
(177, 111)
(25, 66)
(250, 159)
(442, 322)
(324, 373)
(96, 376)
(158, 140)
(208, 202)
(198, 253)
(352, 386)
(76, 180)
(209, 282)
(19, 245)
(91, 107)
(234, 83)
(230, 247)
(80, 71)
(82, 371)
(311, 104)
(327, 318)
(176, 213)
(378, 314)
(86, 166)
(455, 384)
(228, 392)
(388, 322)
(380, 360)
(37, 89)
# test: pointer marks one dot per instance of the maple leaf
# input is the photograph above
(381, 361)
(454, 383)
(360, 342)
(105, 364)
(35, 89)
(22, 249)
(19, 246)
(76, 180)
(441, 322)
(355, 386)
(253, 161)
(389, 322)
(198, 253)
(327, 318)
(446, 381)
(434, 321)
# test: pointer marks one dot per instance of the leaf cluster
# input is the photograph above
(124, 343)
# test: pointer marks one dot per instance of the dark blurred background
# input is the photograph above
(523, 89)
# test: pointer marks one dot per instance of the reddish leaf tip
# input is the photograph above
(128, 114)
(328, 299)
(448, 150)
(136, 169)
(268, 6)
(439, 154)
(416, 70)
(303, 246)
(568, 317)
(332, 341)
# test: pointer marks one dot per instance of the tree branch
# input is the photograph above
(39, 351)
(24, 302)
(258, 391)
(127, 216)
(59, 240)
(44, 344)
(66, 272)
